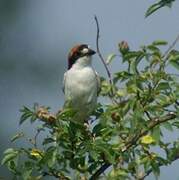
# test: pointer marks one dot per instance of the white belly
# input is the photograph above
(81, 90)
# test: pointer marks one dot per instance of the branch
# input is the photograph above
(99, 171)
(154, 122)
(44, 115)
(57, 175)
(99, 52)
(36, 136)
(171, 46)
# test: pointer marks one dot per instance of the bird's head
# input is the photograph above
(80, 54)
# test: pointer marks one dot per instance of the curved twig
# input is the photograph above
(99, 52)
(171, 46)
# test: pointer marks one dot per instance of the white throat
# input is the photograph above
(83, 62)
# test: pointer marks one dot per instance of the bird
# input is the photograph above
(81, 83)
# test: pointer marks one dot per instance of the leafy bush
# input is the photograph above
(121, 136)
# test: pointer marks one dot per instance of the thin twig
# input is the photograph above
(36, 136)
(100, 171)
(171, 46)
(50, 174)
(57, 175)
(99, 52)
(148, 115)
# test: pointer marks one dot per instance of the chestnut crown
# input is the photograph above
(77, 52)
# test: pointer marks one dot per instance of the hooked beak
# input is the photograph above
(91, 52)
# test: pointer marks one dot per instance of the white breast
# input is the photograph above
(80, 89)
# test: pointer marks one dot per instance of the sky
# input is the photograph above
(35, 38)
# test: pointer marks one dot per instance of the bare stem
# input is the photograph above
(99, 52)
(171, 46)
(36, 136)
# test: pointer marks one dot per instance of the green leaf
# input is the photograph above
(175, 64)
(152, 9)
(163, 86)
(158, 5)
(135, 63)
(24, 117)
(118, 174)
(167, 126)
(48, 140)
(92, 167)
(9, 150)
(110, 58)
(159, 43)
(174, 60)
(176, 124)
(67, 113)
(132, 54)
(33, 118)
(155, 169)
(97, 129)
(156, 133)
(9, 155)
(94, 155)
(17, 136)
(27, 170)
(50, 156)
(153, 48)
(123, 75)
(26, 113)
